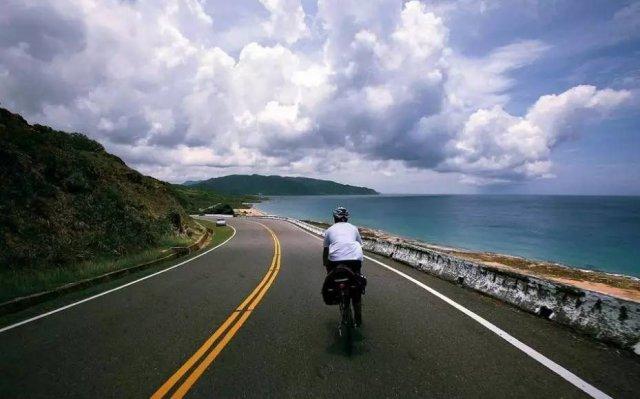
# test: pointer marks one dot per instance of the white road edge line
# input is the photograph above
(12, 326)
(537, 356)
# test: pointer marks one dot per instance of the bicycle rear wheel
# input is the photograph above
(346, 322)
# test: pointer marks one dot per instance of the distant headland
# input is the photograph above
(278, 185)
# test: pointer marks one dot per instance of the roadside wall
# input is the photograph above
(602, 316)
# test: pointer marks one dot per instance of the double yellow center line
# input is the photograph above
(211, 348)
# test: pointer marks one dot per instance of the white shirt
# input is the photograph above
(344, 242)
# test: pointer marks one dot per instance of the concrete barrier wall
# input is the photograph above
(601, 316)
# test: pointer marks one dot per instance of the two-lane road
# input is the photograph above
(247, 320)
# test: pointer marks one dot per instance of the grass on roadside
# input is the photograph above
(18, 283)
(220, 233)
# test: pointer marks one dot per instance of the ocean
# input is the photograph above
(590, 232)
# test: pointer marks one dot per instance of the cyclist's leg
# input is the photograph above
(356, 298)
(330, 266)
(357, 312)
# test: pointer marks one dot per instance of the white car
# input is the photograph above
(221, 222)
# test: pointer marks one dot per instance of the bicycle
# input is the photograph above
(340, 288)
(346, 325)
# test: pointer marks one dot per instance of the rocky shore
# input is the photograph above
(249, 212)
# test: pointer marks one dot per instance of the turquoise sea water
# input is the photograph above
(601, 233)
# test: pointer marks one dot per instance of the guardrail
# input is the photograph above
(604, 317)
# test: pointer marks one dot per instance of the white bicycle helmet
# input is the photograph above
(340, 213)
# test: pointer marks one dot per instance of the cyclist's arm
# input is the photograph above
(358, 238)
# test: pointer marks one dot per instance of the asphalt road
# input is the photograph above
(283, 341)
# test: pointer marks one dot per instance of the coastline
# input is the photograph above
(594, 233)
(605, 317)
(253, 211)
(617, 285)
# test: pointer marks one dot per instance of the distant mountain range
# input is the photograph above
(277, 185)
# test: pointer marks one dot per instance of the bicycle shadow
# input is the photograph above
(339, 345)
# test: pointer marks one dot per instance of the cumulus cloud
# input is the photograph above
(495, 146)
(366, 85)
(286, 21)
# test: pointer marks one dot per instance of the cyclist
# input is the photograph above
(343, 246)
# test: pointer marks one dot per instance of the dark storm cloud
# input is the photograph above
(40, 30)
(32, 36)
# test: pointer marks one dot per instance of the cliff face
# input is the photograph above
(64, 199)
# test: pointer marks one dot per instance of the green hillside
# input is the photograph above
(278, 185)
(65, 200)
(197, 200)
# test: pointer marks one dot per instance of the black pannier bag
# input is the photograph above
(341, 274)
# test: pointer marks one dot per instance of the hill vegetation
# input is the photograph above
(278, 185)
(202, 200)
(64, 200)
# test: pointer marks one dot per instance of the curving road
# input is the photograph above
(247, 320)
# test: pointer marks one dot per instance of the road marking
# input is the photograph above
(12, 326)
(231, 326)
(539, 357)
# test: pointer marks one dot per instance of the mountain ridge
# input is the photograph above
(256, 184)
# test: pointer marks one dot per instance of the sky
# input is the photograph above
(458, 96)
